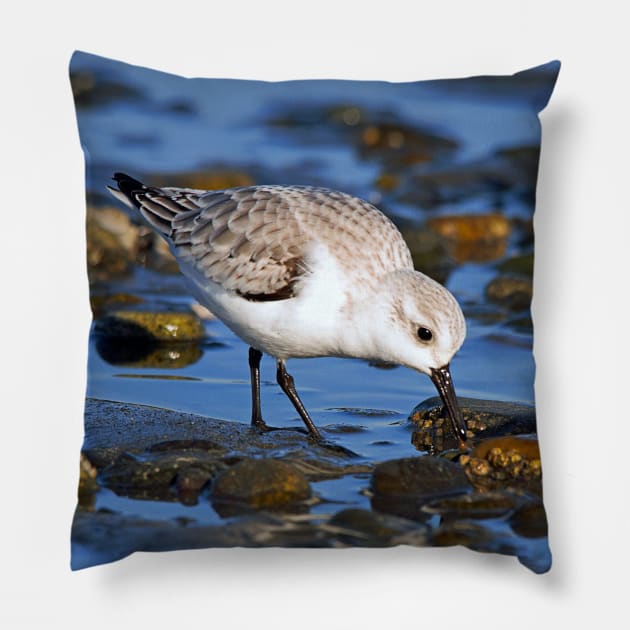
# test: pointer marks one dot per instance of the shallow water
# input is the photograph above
(363, 407)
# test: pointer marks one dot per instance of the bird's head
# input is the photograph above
(422, 327)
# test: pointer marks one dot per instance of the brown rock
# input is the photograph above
(261, 483)
(474, 238)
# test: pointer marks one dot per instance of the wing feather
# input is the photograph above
(256, 240)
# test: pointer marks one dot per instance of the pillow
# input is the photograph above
(381, 230)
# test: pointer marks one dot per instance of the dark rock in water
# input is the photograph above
(155, 478)
(190, 482)
(530, 521)
(364, 528)
(402, 486)
(419, 477)
(261, 483)
(475, 506)
(485, 418)
(147, 352)
(511, 292)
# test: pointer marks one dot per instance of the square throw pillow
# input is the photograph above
(311, 306)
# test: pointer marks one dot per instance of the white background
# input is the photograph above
(581, 340)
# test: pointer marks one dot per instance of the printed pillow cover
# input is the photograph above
(381, 230)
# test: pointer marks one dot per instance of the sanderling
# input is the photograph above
(298, 271)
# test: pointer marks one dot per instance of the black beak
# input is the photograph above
(441, 378)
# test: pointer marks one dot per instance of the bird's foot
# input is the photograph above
(263, 427)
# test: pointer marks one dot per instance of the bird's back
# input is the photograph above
(257, 240)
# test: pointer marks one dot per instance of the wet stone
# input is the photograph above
(155, 477)
(160, 326)
(511, 292)
(261, 483)
(419, 477)
(364, 528)
(432, 431)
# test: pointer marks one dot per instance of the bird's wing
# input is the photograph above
(256, 240)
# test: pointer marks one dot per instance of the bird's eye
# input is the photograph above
(425, 334)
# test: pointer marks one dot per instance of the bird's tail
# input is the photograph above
(155, 207)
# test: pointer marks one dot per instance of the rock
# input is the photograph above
(484, 418)
(204, 446)
(505, 461)
(419, 477)
(159, 326)
(398, 145)
(511, 292)
(112, 242)
(473, 238)
(149, 339)
(261, 483)
(364, 528)
(154, 477)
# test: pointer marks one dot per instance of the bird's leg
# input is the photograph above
(286, 382)
(254, 369)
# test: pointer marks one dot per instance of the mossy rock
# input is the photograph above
(160, 326)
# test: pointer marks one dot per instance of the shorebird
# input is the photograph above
(299, 271)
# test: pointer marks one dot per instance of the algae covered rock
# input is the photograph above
(160, 326)
(432, 431)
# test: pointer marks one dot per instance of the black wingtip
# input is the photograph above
(127, 184)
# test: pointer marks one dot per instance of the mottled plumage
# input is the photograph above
(299, 271)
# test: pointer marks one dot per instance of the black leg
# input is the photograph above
(254, 369)
(285, 380)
